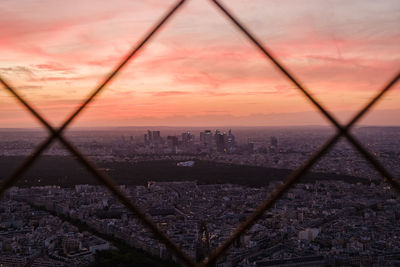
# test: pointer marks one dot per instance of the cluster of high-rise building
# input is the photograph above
(332, 223)
(224, 142)
(186, 143)
(272, 148)
(172, 144)
(153, 138)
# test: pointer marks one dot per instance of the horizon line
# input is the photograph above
(201, 126)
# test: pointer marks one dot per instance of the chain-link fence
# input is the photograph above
(57, 133)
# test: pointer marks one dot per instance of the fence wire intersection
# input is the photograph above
(342, 131)
(102, 177)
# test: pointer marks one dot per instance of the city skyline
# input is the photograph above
(199, 71)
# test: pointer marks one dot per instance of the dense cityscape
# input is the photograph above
(320, 223)
(199, 133)
(275, 147)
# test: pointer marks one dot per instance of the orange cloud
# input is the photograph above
(56, 54)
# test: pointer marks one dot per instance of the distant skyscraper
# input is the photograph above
(220, 139)
(187, 138)
(206, 138)
(156, 137)
(153, 139)
(230, 141)
(148, 138)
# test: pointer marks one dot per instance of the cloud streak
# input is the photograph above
(342, 52)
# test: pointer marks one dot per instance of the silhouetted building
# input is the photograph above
(148, 138)
(220, 141)
(153, 138)
(203, 242)
(224, 142)
(230, 142)
(206, 138)
(156, 137)
(187, 138)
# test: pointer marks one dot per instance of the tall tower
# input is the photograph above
(203, 242)
(206, 138)
(220, 140)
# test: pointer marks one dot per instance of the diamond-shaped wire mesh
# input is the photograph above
(342, 131)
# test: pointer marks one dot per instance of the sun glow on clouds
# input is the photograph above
(199, 65)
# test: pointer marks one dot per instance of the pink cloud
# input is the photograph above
(75, 48)
(54, 66)
(169, 93)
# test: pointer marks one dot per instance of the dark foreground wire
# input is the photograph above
(342, 131)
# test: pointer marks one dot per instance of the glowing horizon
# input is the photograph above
(199, 69)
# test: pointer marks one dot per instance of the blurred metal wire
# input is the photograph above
(101, 176)
(342, 131)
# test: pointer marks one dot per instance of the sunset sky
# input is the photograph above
(199, 69)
